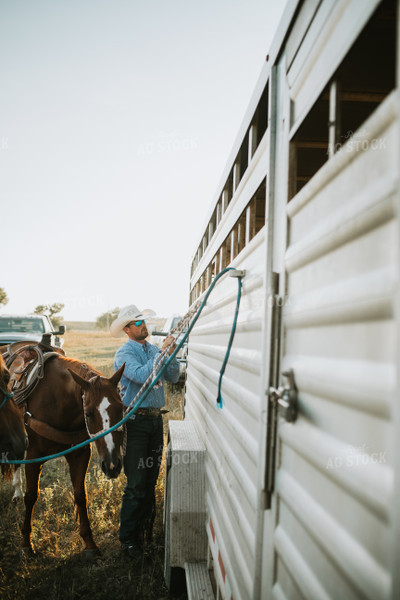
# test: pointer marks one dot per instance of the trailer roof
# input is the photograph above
(271, 58)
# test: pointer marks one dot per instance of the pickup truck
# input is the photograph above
(157, 338)
(29, 328)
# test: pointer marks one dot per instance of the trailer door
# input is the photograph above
(332, 531)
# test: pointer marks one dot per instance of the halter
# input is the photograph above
(7, 396)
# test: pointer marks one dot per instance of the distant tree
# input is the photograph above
(3, 297)
(104, 321)
(51, 310)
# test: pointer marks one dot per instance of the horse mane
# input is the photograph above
(3, 372)
(2, 366)
(80, 366)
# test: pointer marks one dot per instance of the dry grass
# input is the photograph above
(94, 347)
(59, 572)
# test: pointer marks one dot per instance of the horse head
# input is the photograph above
(13, 438)
(103, 408)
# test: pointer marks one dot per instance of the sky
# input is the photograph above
(116, 122)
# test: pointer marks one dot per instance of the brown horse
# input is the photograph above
(13, 438)
(71, 403)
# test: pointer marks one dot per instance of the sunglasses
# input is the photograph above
(136, 323)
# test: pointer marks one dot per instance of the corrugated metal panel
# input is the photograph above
(320, 53)
(299, 29)
(334, 482)
(231, 433)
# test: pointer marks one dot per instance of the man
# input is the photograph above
(144, 428)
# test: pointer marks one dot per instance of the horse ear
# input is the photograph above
(117, 375)
(85, 385)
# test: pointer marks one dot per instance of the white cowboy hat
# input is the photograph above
(126, 315)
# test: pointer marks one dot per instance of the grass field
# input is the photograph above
(58, 571)
(97, 348)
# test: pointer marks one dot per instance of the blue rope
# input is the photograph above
(146, 392)
(228, 350)
(7, 396)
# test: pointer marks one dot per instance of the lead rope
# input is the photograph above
(182, 326)
(6, 396)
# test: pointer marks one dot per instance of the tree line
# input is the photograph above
(52, 310)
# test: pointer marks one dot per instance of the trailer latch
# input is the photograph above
(286, 398)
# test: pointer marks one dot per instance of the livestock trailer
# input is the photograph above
(290, 487)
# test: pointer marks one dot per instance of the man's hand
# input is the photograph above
(169, 340)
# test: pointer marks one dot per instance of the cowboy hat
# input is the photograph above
(126, 315)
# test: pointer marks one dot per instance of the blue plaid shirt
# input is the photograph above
(139, 359)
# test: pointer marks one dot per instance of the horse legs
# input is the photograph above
(32, 475)
(78, 463)
(17, 484)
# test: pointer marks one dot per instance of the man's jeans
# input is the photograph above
(141, 466)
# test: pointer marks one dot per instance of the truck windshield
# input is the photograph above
(25, 324)
(175, 322)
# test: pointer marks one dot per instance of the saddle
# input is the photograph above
(25, 362)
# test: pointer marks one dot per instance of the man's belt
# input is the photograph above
(151, 412)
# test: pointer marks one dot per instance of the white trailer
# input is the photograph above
(306, 505)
